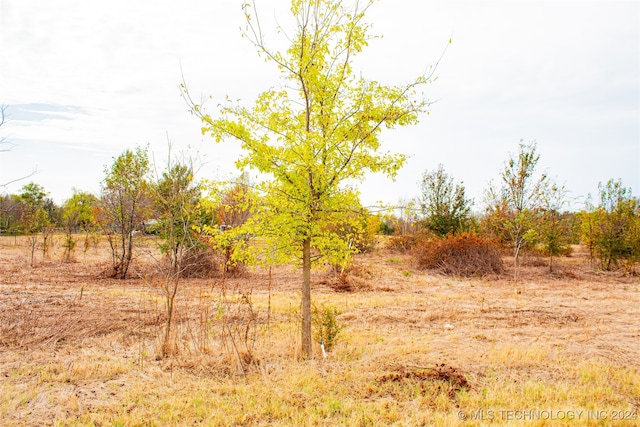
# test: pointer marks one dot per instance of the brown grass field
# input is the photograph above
(416, 348)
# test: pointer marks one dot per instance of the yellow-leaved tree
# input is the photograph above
(316, 135)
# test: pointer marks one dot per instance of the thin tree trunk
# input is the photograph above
(167, 335)
(269, 309)
(516, 262)
(32, 244)
(306, 298)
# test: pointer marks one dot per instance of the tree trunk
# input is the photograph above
(127, 255)
(306, 298)
(166, 350)
(32, 245)
(516, 261)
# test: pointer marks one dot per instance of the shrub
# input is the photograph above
(460, 255)
(326, 325)
(354, 278)
(200, 263)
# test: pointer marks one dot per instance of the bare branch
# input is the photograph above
(34, 172)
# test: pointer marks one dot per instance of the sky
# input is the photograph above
(84, 80)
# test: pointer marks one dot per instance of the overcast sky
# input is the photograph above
(84, 80)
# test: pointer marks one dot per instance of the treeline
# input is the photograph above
(184, 214)
(525, 210)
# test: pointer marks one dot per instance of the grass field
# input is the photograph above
(416, 348)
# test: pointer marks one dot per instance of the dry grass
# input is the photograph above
(416, 349)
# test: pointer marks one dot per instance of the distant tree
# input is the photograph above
(554, 226)
(387, 224)
(615, 232)
(33, 194)
(77, 216)
(444, 206)
(10, 212)
(235, 204)
(587, 228)
(317, 134)
(54, 213)
(405, 216)
(232, 205)
(518, 200)
(176, 196)
(34, 218)
(124, 205)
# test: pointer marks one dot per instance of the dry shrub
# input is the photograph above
(205, 260)
(200, 263)
(204, 263)
(354, 278)
(459, 255)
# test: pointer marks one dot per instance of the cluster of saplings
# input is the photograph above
(200, 223)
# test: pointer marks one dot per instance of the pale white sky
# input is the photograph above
(84, 80)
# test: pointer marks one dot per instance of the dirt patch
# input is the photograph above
(430, 377)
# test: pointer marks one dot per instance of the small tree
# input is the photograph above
(554, 228)
(616, 223)
(10, 212)
(55, 219)
(124, 205)
(587, 228)
(444, 206)
(316, 134)
(176, 196)
(518, 199)
(34, 218)
(77, 215)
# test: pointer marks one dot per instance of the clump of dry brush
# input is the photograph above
(459, 255)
